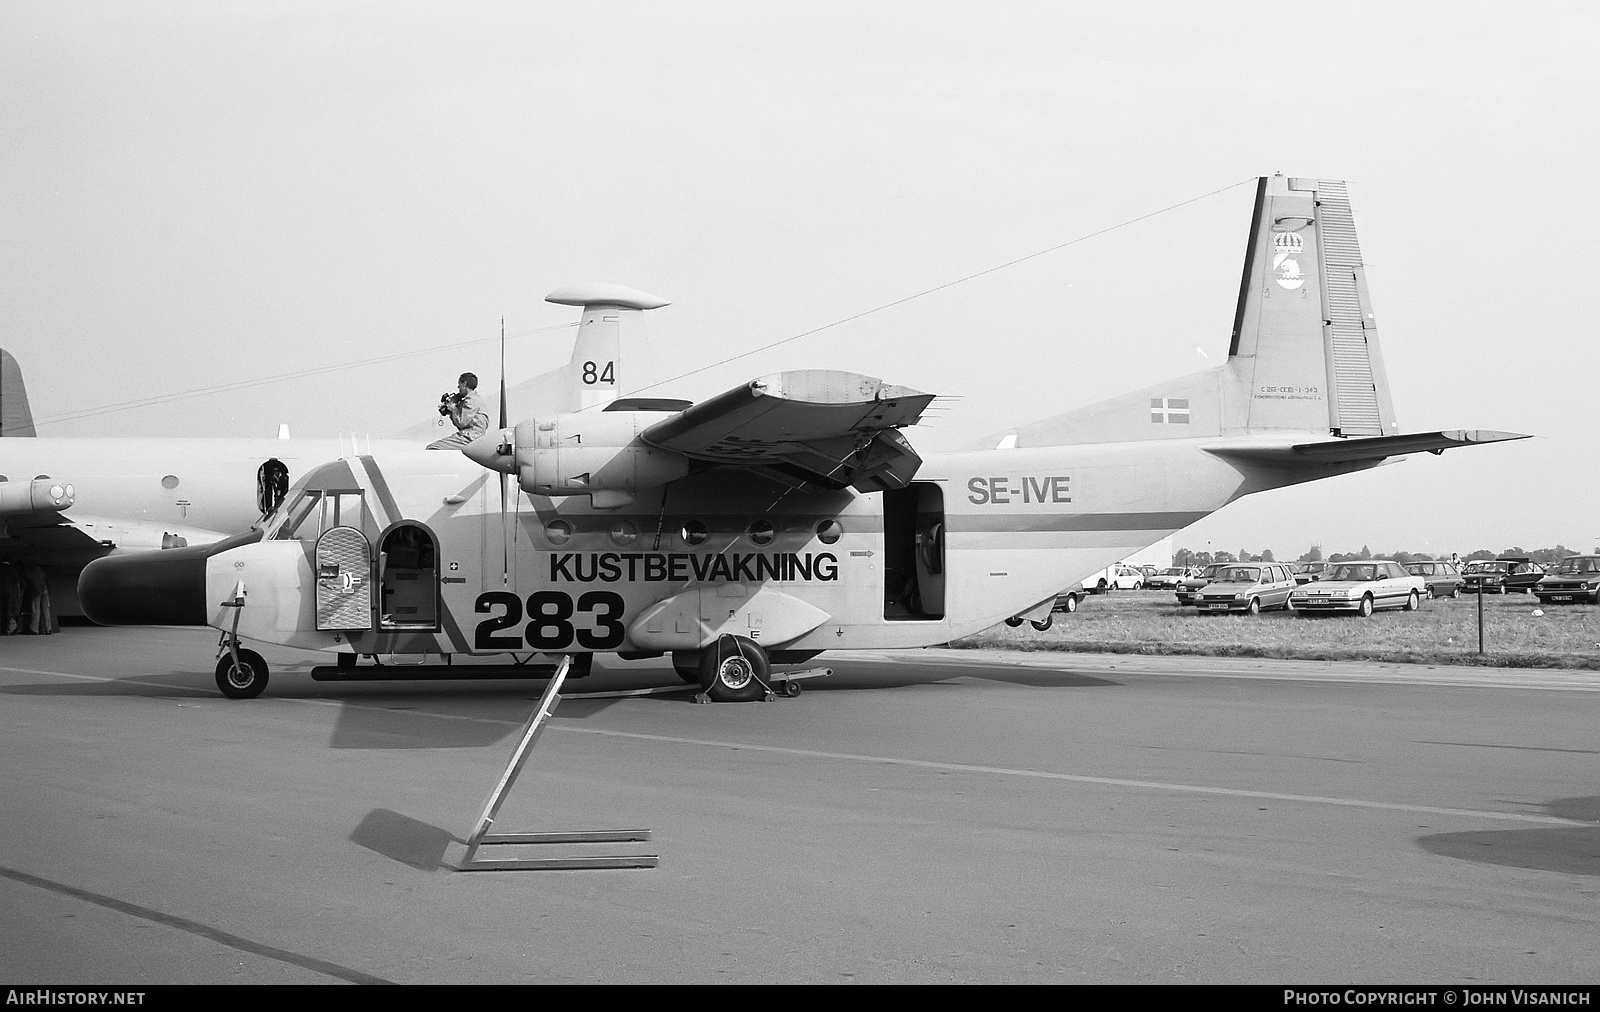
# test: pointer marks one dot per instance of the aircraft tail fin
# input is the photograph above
(16, 417)
(1304, 356)
(594, 376)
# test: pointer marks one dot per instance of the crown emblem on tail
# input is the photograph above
(1288, 242)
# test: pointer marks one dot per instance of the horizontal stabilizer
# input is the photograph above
(1356, 449)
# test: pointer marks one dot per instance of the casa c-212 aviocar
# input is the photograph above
(790, 515)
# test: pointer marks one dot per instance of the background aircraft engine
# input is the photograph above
(41, 495)
(599, 455)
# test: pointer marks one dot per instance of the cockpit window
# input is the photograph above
(295, 511)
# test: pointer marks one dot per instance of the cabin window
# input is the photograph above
(624, 533)
(170, 481)
(828, 531)
(558, 532)
(272, 485)
(762, 532)
(694, 532)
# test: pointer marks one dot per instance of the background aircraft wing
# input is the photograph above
(1335, 451)
(812, 427)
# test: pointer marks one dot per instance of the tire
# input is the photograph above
(1288, 606)
(1596, 598)
(1101, 588)
(1014, 621)
(734, 670)
(1413, 601)
(1455, 592)
(1364, 609)
(246, 681)
(1042, 624)
(1254, 607)
(687, 665)
(1069, 604)
(1138, 586)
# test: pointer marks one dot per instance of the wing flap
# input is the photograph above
(819, 426)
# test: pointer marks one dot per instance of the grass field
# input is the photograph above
(1443, 632)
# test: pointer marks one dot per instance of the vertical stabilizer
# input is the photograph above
(16, 417)
(610, 312)
(1305, 349)
(1304, 355)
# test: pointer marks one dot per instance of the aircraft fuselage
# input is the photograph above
(977, 537)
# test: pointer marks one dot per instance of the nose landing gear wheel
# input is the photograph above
(734, 670)
(246, 680)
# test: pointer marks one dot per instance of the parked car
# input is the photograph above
(1248, 587)
(1069, 599)
(1066, 601)
(1572, 579)
(1360, 587)
(1306, 572)
(1165, 579)
(1503, 575)
(1148, 572)
(1189, 590)
(1442, 579)
(1117, 577)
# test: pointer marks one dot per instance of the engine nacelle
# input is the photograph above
(596, 454)
(41, 495)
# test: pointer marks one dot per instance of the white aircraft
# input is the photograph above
(67, 501)
(789, 516)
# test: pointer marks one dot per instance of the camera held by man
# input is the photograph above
(450, 400)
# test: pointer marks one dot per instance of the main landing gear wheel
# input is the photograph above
(734, 670)
(245, 680)
(1042, 624)
(1014, 621)
(687, 666)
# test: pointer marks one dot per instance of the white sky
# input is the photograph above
(197, 194)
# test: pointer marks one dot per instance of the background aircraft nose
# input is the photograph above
(166, 587)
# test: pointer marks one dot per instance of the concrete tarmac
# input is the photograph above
(921, 816)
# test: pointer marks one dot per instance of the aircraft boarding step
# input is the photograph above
(481, 836)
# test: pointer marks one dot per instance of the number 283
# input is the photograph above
(550, 625)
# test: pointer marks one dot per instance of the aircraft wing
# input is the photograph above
(813, 427)
(49, 538)
(1337, 451)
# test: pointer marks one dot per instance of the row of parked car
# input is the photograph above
(1370, 584)
(1360, 587)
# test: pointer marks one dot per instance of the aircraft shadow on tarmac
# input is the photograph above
(404, 839)
(1569, 850)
